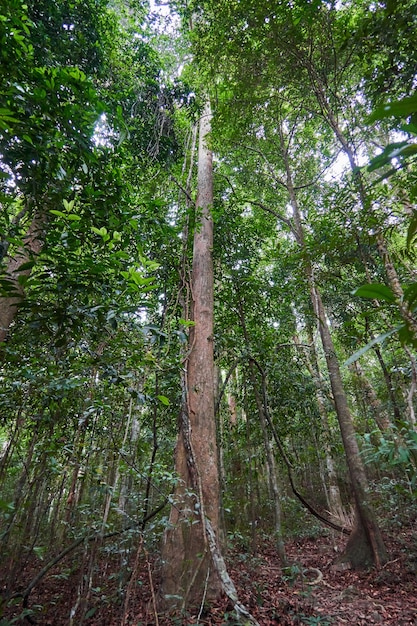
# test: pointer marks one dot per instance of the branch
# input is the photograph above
(287, 462)
(227, 178)
(286, 221)
(269, 166)
(87, 538)
(184, 191)
(227, 583)
(226, 380)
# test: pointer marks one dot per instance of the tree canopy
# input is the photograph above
(301, 401)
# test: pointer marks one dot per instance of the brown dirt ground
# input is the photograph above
(387, 597)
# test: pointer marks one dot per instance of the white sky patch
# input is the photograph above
(247, 211)
(339, 166)
(11, 181)
(162, 8)
(168, 22)
(104, 136)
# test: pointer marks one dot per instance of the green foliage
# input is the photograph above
(400, 152)
(403, 153)
(315, 620)
(396, 501)
(396, 449)
(377, 291)
(92, 128)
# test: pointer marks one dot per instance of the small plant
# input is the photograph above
(231, 620)
(291, 573)
(313, 620)
(22, 617)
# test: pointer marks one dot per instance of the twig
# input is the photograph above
(184, 191)
(152, 589)
(318, 578)
(390, 562)
(287, 462)
(204, 595)
(131, 582)
(87, 538)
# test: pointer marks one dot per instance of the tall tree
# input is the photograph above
(289, 49)
(189, 576)
(194, 570)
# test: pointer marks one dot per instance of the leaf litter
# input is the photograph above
(387, 596)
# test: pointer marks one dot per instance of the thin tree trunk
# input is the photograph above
(332, 490)
(33, 243)
(412, 389)
(389, 384)
(381, 418)
(387, 376)
(365, 545)
(396, 288)
(272, 474)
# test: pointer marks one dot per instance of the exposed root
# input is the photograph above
(316, 580)
(227, 583)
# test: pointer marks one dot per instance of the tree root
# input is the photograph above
(317, 580)
(227, 583)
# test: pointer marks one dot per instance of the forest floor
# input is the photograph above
(387, 597)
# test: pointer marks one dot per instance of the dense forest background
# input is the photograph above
(134, 450)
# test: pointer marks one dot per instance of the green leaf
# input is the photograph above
(39, 551)
(398, 108)
(164, 400)
(140, 280)
(410, 294)
(375, 341)
(412, 230)
(68, 206)
(72, 217)
(100, 231)
(409, 128)
(186, 322)
(375, 290)
(7, 116)
(26, 266)
(6, 506)
(392, 151)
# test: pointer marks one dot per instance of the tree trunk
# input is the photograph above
(332, 490)
(188, 575)
(270, 460)
(380, 415)
(32, 246)
(395, 285)
(365, 546)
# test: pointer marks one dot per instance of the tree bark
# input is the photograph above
(380, 415)
(189, 576)
(32, 246)
(365, 546)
